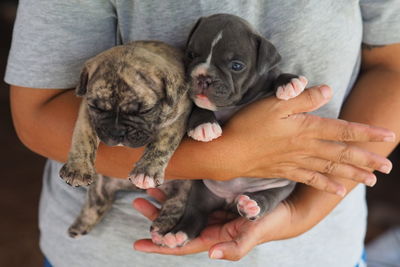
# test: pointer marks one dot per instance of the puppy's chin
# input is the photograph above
(203, 101)
(125, 142)
(111, 142)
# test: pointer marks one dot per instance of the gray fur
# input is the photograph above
(172, 209)
(214, 44)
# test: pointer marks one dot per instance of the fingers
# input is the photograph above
(349, 154)
(234, 249)
(146, 245)
(342, 170)
(344, 131)
(146, 208)
(316, 180)
(157, 194)
(199, 244)
(309, 100)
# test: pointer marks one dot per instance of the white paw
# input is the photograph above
(156, 237)
(142, 181)
(170, 240)
(247, 207)
(206, 132)
(292, 89)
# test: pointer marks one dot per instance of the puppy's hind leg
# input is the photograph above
(201, 202)
(172, 209)
(256, 204)
(99, 199)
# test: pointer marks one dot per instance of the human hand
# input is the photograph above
(226, 237)
(280, 140)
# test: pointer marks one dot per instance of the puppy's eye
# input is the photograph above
(95, 108)
(142, 112)
(237, 65)
(191, 55)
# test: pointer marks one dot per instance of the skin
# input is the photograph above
(57, 109)
(374, 100)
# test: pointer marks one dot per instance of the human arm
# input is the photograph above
(44, 120)
(374, 100)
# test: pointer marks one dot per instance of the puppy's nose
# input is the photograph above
(204, 81)
(118, 132)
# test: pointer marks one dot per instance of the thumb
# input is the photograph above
(309, 100)
(232, 250)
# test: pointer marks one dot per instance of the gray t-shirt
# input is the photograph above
(318, 39)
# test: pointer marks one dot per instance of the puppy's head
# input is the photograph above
(224, 58)
(130, 93)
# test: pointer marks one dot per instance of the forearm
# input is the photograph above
(375, 100)
(49, 134)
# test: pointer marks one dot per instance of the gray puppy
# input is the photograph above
(133, 95)
(229, 65)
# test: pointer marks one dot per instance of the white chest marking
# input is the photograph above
(214, 42)
(202, 68)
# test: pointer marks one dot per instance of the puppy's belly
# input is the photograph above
(229, 190)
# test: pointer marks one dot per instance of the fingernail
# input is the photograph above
(326, 92)
(341, 192)
(385, 169)
(390, 138)
(370, 181)
(217, 254)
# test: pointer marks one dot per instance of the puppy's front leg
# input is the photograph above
(203, 126)
(288, 86)
(79, 169)
(149, 170)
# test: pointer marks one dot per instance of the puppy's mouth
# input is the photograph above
(202, 101)
(132, 139)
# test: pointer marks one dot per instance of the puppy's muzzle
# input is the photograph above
(203, 82)
(130, 136)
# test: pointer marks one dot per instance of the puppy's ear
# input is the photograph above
(81, 88)
(192, 31)
(267, 55)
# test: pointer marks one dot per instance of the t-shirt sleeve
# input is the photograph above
(381, 21)
(53, 38)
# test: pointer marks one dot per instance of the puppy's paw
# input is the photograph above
(78, 229)
(247, 207)
(206, 132)
(145, 178)
(292, 89)
(171, 240)
(78, 175)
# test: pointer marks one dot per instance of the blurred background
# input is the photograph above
(21, 171)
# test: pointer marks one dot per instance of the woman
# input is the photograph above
(318, 39)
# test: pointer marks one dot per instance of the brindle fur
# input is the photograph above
(101, 195)
(133, 95)
(99, 199)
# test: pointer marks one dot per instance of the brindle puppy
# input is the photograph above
(133, 95)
